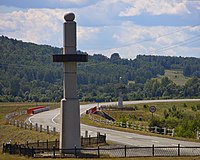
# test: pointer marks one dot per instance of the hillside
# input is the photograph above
(176, 76)
(28, 74)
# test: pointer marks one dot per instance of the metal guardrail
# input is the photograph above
(14, 114)
(10, 119)
(155, 129)
(31, 126)
(115, 108)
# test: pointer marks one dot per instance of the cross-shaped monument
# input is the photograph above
(70, 108)
(120, 98)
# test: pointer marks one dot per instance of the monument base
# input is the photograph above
(70, 125)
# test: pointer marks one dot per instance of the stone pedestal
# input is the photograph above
(70, 122)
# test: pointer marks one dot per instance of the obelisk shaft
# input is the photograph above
(120, 98)
(70, 109)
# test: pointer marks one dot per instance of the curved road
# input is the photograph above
(51, 118)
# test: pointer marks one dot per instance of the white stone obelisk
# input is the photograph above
(70, 109)
(120, 98)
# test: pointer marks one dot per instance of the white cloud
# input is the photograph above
(87, 33)
(159, 40)
(4, 24)
(154, 7)
(72, 1)
(131, 33)
(183, 51)
(159, 35)
(134, 50)
(194, 28)
(42, 26)
(33, 25)
(100, 30)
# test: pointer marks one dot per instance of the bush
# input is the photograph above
(123, 119)
(186, 129)
(155, 122)
(145, 106)
(184, 105)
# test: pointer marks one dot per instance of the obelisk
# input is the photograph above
(120, 98)
(70, 108)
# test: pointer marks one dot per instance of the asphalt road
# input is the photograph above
(51, 118)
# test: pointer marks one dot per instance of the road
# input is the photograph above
(51, 118)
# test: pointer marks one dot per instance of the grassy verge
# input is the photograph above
(145, 116)
(142, 116)
(6, 108)
(20, 135)
(85, 120)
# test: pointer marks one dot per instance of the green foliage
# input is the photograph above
(175, 112)
(155, 122)
(145, 106)
(171, 115)
(122, 119)
(171, 122)
(192, 87)
(195, 107)
(166, 114)
(132, 117)
(185, 124)
(185, 105)
(176, 76)
(136, 107)
(166, 88)
(27, 73)
(189, 127)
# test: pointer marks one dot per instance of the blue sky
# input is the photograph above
(129, 27)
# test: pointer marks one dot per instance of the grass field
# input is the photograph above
(6, 108)
(15, 134)
(19, 135)
(176, 76)
(142, 116)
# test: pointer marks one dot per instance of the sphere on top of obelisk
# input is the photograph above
(69, 16)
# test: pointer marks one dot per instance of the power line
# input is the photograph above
(187, 41)
(176, 46)
(150, 39)
(176, 31)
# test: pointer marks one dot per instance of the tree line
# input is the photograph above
(28, 74)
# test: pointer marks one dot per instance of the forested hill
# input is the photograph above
(28, 74)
